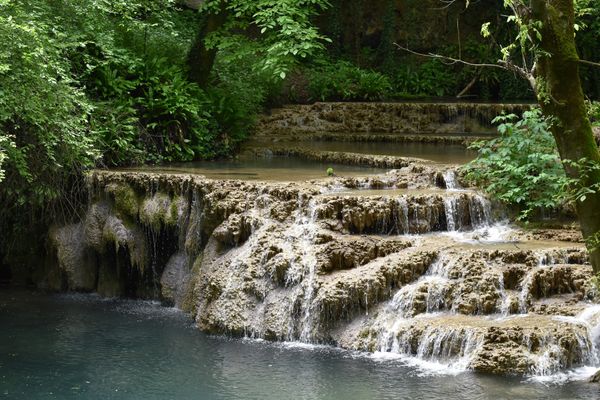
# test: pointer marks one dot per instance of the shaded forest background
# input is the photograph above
(97, 83)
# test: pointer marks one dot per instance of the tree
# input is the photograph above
(281, 31)
(544, 53)
(560, 96)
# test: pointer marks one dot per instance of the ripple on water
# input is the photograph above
(73, 347)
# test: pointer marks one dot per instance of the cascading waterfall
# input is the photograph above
(303, 272)
(424, 274)
(450, 180)
(480, 210)
(426, 295)
(422, 321)
(403, 207)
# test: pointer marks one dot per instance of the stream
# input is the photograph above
(74, 346)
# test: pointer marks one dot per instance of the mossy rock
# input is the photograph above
(160, 211)
(126, 201)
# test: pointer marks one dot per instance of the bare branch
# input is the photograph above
(590, 63)
(525, 73)
(449, 60)
(464, 92)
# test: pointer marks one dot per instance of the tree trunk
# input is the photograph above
(201, 59)
(560, 96)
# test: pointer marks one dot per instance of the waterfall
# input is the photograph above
(480, 210)
(450, 205)
(426, 295)
(450, 180)
(302, 272)
(422, 273)
(403, 214)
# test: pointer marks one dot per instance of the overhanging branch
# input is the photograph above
(449, 60)
(527, 74)
(590, 63)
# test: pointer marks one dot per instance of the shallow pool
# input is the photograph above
(435, 152)
(274, 168)
(83, 347)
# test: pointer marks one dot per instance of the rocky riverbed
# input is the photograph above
(403, 263)
(389, 255)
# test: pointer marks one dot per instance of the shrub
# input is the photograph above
(521, 167)
(431, 78)
(342, 80)
(42, 110)
(593, 108)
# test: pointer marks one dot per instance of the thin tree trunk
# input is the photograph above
(201, 59)
(560, 96)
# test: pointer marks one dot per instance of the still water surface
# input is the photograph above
(83, 347)
(435, 152)
(249, 168)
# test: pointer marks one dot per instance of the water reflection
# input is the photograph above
(73, 346)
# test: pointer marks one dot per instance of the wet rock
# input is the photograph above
(343, 294)
(596, 377)
(126, 201)
(174, 279)
(161, 211)
(235, 230)
(369, 118)
(560, 279)
(296, 262)
(73, 257)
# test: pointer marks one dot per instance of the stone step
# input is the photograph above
(411, 213)
(530, 344)
(403, 118)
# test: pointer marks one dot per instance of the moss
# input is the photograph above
(174, 210)
(160, 210)
(189, 303)
(126, 201)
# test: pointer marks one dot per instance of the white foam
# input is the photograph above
(560, 378)
(424, 367)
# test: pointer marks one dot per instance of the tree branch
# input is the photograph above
(527, 74)
(449, 60)
(590, 63)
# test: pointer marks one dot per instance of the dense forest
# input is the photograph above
(111, 83)
(384, 198)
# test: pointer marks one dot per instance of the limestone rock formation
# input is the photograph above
(401, 263)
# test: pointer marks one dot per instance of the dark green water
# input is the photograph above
(276, 168)
(435, 152)
(82, 347)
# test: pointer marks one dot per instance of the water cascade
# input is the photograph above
(422, 272)
(405, 263)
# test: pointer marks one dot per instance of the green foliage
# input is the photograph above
(285, 28)
(238, 95)
(585, 168)
(431, 78)
(330, 172)
(5, 144)
(521, 167)
(593, 111)
(342, 80)
(148, 111)
(41, 108)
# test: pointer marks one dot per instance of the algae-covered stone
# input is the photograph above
(126, 201)
(160, 210)
(117, 234)
(73, 257)
(94, 222)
